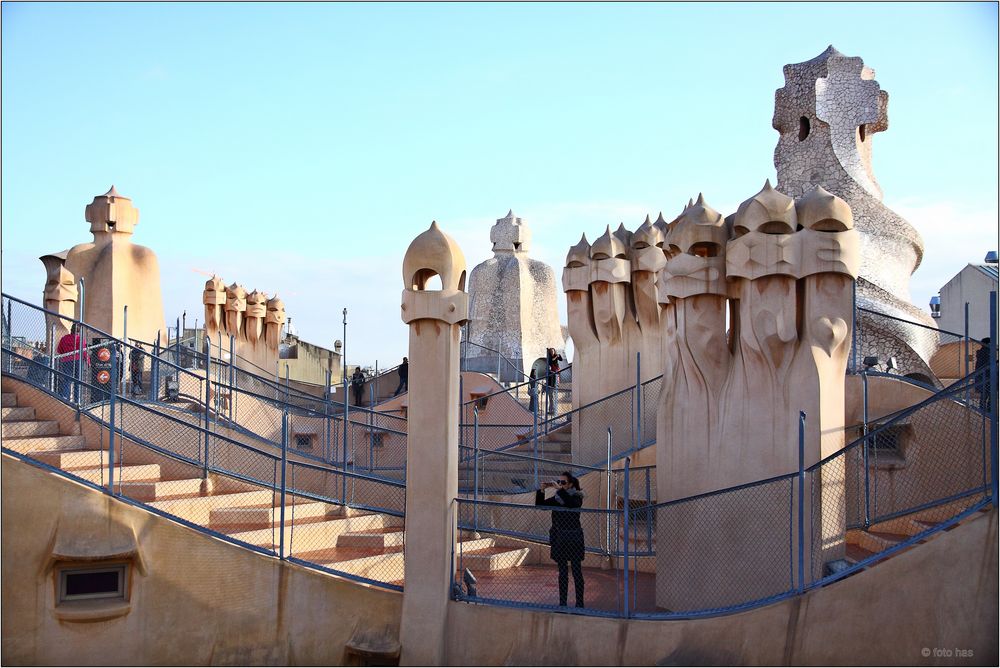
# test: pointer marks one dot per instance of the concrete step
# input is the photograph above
(312, 535)
(545, 449)
(162, 489)
(17, 413)
(29, 428)
(387, 537)
(8, 399)
(873, 541)
(473, 544)
(39, 443)
(267, 515)
(74, 458)
(907, 526)
(123, 473)
(198, 507)
(385, 566)
(494, 558)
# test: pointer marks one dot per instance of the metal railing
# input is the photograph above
(270, 500)
(745, 546)
(217, 394)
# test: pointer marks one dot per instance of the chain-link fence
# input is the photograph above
(905, 348)
(900, 481)
(179, 464)
(537, 555)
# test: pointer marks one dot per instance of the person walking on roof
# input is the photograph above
(404, 375)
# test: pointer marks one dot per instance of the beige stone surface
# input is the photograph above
(613, 316)
(61, 294)
(196, 600)
(251, 319)
(116, 273)
(942, 594)
(780, 271)
(435, 318)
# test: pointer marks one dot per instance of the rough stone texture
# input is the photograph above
(512, 302)
(826, 113)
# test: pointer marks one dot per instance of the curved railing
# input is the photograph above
(753, 544)
(184, 451)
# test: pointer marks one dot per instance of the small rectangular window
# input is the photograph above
(89, 583)
(304, 441)
(887, 440)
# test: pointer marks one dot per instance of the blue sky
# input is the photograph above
(298, 148)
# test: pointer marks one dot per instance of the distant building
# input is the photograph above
(973, 285)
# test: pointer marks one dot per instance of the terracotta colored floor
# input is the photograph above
(539, 585)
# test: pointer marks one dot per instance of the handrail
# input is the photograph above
(148, 407)
(910, 322)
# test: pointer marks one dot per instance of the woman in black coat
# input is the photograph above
(566, 544)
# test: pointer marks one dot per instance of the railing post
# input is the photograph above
(638, 401)
(53, 378)
(802, 480)
(649, 514)
(284, 466)
(864, 445)
(177, 346)
(327, 452)
(154, 370)
(475, 470)
(111, 432)
(854, 327)
(124, 381)
(232, 375)
(607, 515)
(371, 426)
(79, 360)
(343, 462)
(625, 511)
(992, 390)
(498, 365)
(208, 401)
(10, 338)
(965, 344)
(534, 435)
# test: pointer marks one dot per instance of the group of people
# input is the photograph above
(552, 359)
(358, 380)
(73, 357)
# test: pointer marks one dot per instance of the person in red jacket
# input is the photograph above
(68, 351)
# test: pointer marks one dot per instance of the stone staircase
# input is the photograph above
(366, 544)
(862, 544)
(42, 440)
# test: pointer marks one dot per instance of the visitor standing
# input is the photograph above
(68, 352)
(566, 543)
(983, 362)
(552, 359)
(404, 375)
(135, 368)
(358, 385)
(532, 391)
